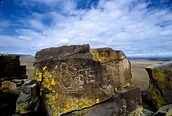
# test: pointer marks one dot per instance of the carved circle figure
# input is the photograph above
(65, 77)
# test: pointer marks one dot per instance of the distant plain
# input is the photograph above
(139, 74)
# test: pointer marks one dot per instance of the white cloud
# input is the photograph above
(36, 24)
(64, 41)
(166, 33)
(119, 24)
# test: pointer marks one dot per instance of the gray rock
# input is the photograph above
(164, 111)
(28, 100)
(147, 112)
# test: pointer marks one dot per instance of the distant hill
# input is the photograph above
(21, 55)
(151, 58)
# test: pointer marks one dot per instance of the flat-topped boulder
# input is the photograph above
(10, 67)
(76, 77)
(160, 86)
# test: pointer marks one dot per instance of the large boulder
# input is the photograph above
(160, 86)
(76, 77)
(10, 67)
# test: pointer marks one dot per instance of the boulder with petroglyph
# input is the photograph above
(76, 77)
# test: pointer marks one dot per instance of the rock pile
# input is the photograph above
(71, 81)
(12, 75)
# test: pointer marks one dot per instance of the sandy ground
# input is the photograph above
(139, 74)
(29, 66)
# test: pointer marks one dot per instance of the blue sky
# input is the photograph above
(137, 27)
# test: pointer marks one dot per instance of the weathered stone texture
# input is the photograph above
(160, 86)
(76, 77)
(10, 67)
(28, 100)
(165, 110)
(121, 104)
(118, 66)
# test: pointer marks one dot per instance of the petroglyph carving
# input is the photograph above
(72, 77)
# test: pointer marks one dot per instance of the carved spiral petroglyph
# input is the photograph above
(72, 77)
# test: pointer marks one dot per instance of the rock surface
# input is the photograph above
(165, 110)
(121, 104)
(12, 75)
(10, 67)
(160, 86)
(76, 77)
(7, 103)
(28, 100)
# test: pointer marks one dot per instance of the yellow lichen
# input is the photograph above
(158, 100)
(136, 112)
(67, 103)
(97, 101)
(121, 86)
(159, 75)
(45, 67)
(22, 108)
(37, 74)
(95, 54)
(101, 56)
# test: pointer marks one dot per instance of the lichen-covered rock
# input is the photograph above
(147, 112)
(77, 77)
(119, 105)
(118, 66)
(8, 86)
(147, 101)
(160, 86)
(165, 110)
(28, 100)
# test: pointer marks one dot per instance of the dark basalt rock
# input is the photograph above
(12, 76)
(7, 103)
(10, 67)
(70, 81)
(160, 86)
(79, 77)
(118, 105)
(147, 101)
(29, 99)
(64, 52)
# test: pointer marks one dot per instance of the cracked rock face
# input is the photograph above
(76, 77)
(160, 86)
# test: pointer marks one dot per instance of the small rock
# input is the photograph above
(28, 100)
(147, 112)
